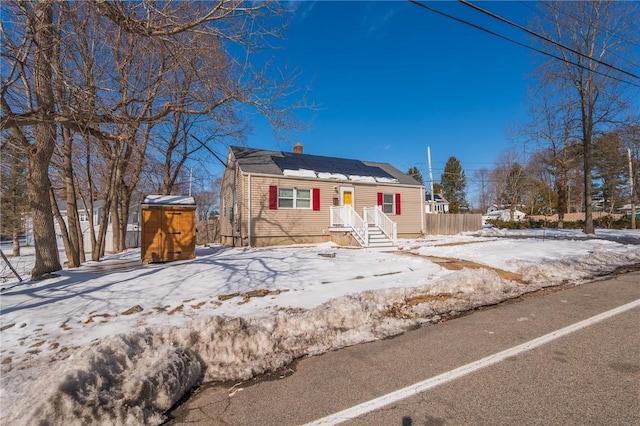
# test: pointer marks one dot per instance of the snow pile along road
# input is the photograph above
(133, 377)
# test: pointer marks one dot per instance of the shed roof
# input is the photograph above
(169, 200)
(281, 163)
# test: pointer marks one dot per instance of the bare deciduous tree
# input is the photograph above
(591, 35)
(552, 132)
(104, 73)
(508, 180)
(482, 177)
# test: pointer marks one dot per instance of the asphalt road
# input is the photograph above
(588, 376)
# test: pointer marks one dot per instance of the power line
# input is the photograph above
(478, 27)
(545, 38)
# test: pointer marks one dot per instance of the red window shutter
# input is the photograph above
(398, 204)
(273, 197)
(379, 198)
(316, 199)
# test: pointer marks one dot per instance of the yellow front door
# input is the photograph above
(347, 198)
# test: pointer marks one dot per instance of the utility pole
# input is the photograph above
(432, 203)
(633, 191)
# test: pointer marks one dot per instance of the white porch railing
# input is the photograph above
(346, 216)
(376, 216)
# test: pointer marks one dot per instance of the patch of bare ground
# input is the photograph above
(249, 294)
(457, 264)
(93, 316)
(397, 309)
(177, 309)
(460, 243)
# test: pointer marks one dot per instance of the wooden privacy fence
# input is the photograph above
(451, 224)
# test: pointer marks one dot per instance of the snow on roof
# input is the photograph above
(358, 178)
(337, 176)
(169, 199)
(299, 172)
(386, 180)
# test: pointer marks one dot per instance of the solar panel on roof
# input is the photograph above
(320, 164)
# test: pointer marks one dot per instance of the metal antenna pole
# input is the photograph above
(431, 180)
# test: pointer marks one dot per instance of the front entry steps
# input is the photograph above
(378, 241)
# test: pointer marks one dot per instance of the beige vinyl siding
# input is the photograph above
(225, 203)
(288, 225)
(409, 222)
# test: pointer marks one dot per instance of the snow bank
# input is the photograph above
(130, 379)
(135, 378)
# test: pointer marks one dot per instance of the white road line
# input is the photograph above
(417, 388)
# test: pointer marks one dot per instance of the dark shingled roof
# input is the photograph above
(268, 162)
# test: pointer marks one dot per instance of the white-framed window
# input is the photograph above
(294, 198)
(388, 203)
(83, 217)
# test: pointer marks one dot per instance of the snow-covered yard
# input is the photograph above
(119, 342)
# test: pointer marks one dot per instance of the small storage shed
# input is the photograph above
(168, 228)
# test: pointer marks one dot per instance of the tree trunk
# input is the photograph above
(39, 154)
(561, 189)
(64, 233)
(116, 221)
(122, 205)
(587, 135)
(16, 242)
(74, 248)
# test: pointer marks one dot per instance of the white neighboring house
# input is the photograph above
(133, 227)
(440, 204)
(503, 214)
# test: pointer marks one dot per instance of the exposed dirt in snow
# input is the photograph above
(459, 264)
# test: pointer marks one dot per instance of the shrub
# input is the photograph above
(604, 222)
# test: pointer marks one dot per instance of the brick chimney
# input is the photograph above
(297, 148)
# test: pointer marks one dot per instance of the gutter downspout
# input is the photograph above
(249, 213)
(422, 212)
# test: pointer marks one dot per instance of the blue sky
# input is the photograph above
(391, 78)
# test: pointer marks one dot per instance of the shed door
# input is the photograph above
(180, 232)
(152, 236)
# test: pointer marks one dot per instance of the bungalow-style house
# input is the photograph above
(438, 205)
(274, 197)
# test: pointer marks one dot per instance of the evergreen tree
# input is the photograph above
(415, 173)
(610, 170)
(454, 183)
